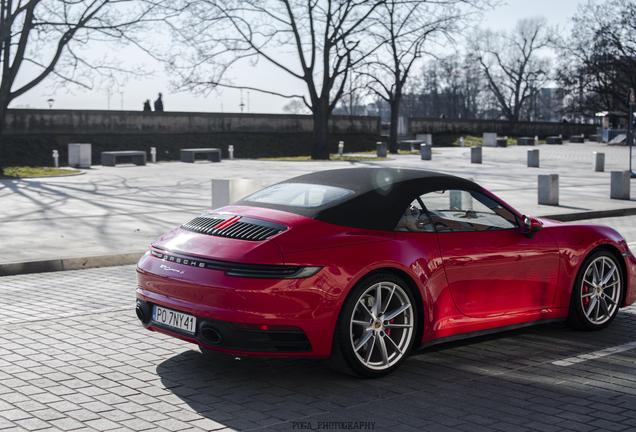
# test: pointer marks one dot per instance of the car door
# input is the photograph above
(491, 267)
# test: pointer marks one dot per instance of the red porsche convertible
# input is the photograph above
(363, 266)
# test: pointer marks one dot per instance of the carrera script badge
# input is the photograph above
(165, 267)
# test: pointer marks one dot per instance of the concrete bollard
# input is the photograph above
(426, 151)
(475, 155)
(549, 189)
(381, 148)
(230, 151)
(620, 185)
(533, 158)
(56, 157)
(228, 191)
(79, 155)
(536, 140)
(460, 199)
(461, 140)
(153, 155)
(599, 162)
(340, 148)
(490, 139)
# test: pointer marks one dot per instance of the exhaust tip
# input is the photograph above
(210, 336)
(142, 313)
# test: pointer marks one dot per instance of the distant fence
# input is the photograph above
(503, 128)
(43, 121)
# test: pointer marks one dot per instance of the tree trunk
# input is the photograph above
(3, 113)
(395, 118)
(320, 143)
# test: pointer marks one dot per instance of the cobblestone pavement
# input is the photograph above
(69, 362)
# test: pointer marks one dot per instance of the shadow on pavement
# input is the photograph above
(502, 382)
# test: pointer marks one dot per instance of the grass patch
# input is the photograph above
(18, 172)
(332, 158)
(453, 140)
(400, 152)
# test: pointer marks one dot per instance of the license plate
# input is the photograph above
(174, 319)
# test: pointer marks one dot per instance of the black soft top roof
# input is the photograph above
(381, 195)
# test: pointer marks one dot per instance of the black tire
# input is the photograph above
(372, 341)
(597, 292)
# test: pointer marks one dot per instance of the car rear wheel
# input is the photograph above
(376, 327)
(597, 291)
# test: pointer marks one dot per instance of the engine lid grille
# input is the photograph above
(231, 226)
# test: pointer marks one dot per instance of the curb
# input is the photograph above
(61, 264)
(571, 217)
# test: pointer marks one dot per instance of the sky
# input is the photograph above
(132, 95)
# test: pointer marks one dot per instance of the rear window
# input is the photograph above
(299, 195)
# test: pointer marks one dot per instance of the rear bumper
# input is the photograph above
(234, 337)
(222, 302)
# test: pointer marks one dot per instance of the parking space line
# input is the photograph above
(595, 355)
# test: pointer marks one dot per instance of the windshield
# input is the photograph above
(299, 195)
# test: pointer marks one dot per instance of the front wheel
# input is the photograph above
(597, 291)
(376, 327)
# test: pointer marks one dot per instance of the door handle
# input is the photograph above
(460, 261)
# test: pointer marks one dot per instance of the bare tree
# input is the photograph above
(450, 85)
(353, 100)
(43, 38)
(403, 30)
(315, 41)
(598, 59)
(510, 61)
(295, 106)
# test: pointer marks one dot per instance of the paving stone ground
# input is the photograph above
(73, 358)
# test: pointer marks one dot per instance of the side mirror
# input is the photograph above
(530, 226)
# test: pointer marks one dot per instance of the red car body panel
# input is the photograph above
(575, 242)
(492, 273)
(466, 283)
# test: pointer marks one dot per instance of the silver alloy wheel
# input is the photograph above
(381, 326)
(600, 290)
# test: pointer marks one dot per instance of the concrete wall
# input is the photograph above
(43, 121)
(502, 128)
(39, 121)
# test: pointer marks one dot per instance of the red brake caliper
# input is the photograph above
(586, 300)
(388, 331)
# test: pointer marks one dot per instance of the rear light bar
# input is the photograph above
(253, 271)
